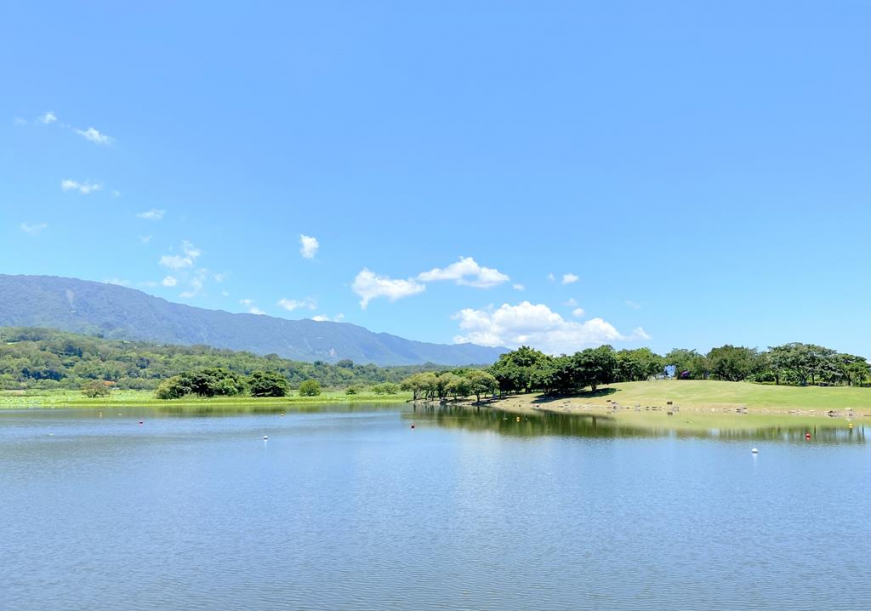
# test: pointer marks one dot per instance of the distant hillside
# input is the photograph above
(93, 308)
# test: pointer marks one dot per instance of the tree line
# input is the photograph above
(527, 370)
(45, 359)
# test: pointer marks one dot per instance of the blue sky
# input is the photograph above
(671, 174)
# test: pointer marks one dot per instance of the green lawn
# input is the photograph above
(134, 398)
(709, 393)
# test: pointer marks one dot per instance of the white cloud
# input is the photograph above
(466, 272)
(187, 259)
(578, 312)
(117, 282)
(308, 246)
(551, 277)
(293, 304)
(570, 278)
(34, 229)
(339, 317)
(219, 278)
(536, 325)
(149, 283)
(48, 118)
(94, 136)
(151, 215)
(116, 193)
(145, 239)
(369, 286)
(169, 281)
(82, 187)
(321, 318)
(195, 284)
(518, 287)
(252, 309)
(572, 302)
(633, 305)
(639, 333)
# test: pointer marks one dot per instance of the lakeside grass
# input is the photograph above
(702, 403)
(61, 399)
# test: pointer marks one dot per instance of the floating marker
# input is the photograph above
(755, 451)
(518, 418)
(140, 422)
(807, 436)
(265, 437)
(412, 426)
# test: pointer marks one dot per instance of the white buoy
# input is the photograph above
(755, 451)
(265, 437)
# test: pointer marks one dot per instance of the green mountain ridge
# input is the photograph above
(116, 312)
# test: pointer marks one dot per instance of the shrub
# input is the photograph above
(310, 388)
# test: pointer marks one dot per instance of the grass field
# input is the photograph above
(134, 398)
(704, 404)
(710, 393)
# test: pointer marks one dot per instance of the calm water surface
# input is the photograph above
(357, 510)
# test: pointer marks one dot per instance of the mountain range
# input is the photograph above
(118, 312)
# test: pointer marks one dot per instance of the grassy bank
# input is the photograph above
(702, 403)
(134, 398)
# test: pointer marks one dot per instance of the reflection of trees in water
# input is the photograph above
(601, 426)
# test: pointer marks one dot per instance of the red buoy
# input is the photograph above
(807, 436)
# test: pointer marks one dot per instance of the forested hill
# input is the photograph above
(117, 312)
(32, 358)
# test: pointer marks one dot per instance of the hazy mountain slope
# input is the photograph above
(114, 311)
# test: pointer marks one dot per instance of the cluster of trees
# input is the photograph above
(220, 382)
(33, 358)
(793, 363)
(457, 384)
(529, 370)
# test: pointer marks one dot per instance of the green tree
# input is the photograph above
(732, 363)
(94, 389)
(481, 383)
(595, 366)
(268, 384)
(310, 388)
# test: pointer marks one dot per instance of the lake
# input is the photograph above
(355, 509)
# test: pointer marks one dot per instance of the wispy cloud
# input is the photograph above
(570, 278)
(94, 136)
(18, 121)
(369, 286)
(117, 282)
(633, 305)
(145, 239)
(188, 258)
(34, 229)
(48, 118)
(293, 304)
(518, 287)
(551, 277)
(578, 312)
(151, 215)
(466, 272)
(82, 187)
(196, 284)
(169, 281)
(309, 246)
(252, 309)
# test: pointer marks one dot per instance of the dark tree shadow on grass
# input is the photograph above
(602, 392)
